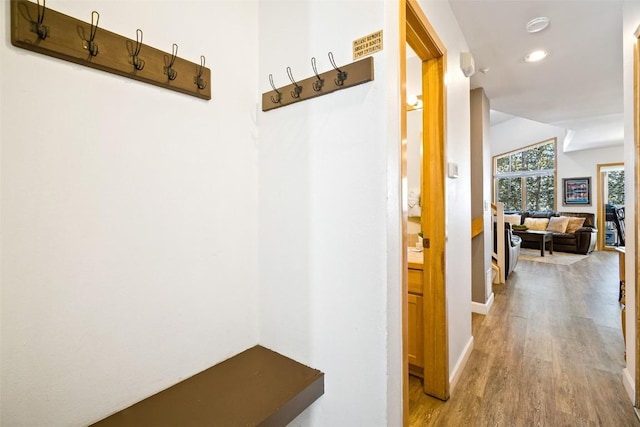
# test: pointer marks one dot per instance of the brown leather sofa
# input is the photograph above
(582, 241)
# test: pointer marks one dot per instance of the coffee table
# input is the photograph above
(542, 237)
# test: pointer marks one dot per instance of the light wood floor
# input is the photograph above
(549, 353)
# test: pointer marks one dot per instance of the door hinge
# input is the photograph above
(426, 243)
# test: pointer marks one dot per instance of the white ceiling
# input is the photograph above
(577, 87)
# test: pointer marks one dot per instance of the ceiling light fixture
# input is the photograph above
(537, 24)
(536, 56)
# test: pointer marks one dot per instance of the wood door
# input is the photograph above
(416, 30)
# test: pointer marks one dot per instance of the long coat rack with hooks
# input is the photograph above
(46, 31)
(319, 84)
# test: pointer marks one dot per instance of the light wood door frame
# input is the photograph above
(636, 138)
(601, 213)
(416, 30)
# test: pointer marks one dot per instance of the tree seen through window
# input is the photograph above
(615, 187)
(525, 179)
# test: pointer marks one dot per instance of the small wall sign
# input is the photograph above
(367, 45)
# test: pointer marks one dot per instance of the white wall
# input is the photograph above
(458, 191)
(129, 216)
(487, 185)
(414, 170)
(414, 126)
(323, 200)
(519, 132)
(585, 163)
(414, 134)
(329, 193)
(631, 20)
(135, 221)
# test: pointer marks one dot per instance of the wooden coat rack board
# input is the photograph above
(52, 33)
(320, 84)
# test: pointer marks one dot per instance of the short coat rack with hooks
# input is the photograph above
(319, 84)
(37, 28)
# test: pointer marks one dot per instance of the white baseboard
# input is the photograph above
(480, 308)
(456, 373)
(629, 384)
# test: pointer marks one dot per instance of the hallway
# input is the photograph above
(549, 353)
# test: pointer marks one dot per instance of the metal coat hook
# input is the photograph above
(342, 75)
(90, 45)
(138, 63)
(317, 85)
(358, 72)
(170, 72)
(41, 30)
(295, 93)
(198, 78)
(36, 26)
(278, 97)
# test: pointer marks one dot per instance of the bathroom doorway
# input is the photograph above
(417, 32)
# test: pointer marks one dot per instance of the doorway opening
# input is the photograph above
(611, 206)
(428, 313)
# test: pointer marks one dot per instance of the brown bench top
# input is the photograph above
(257, 387)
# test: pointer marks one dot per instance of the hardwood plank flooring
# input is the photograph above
(549, 353)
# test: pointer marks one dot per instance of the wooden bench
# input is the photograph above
(257, 387)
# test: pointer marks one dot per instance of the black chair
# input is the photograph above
(512, 245)
(615, 215)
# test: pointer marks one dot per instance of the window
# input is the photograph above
(615, 187)
(524, 180)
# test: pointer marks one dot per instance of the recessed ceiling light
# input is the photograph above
(537, 24)
(536, 55)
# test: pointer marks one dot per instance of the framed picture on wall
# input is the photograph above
(577, 191)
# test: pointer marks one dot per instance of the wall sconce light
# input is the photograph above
(414, 102)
